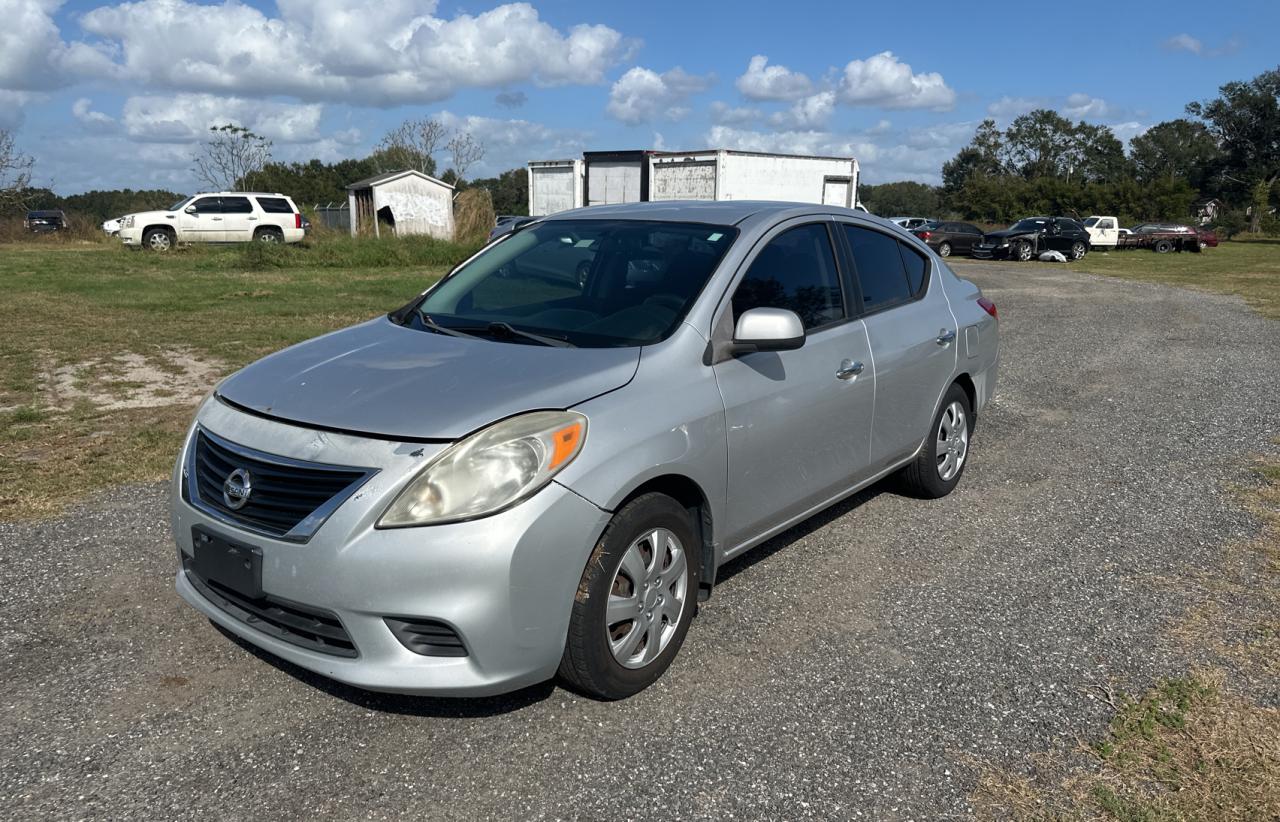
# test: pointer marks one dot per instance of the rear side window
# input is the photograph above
(236, 205)
(969, 229)
(914, 263)
(796, 271)
(881, 274)
(275, 205)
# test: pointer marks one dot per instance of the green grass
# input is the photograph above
(1247, 268)
(69, 303)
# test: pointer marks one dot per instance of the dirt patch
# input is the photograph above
(175, 376)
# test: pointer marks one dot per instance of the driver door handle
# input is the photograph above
(945, 336)
(848, 370)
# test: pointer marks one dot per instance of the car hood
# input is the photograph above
(1004, 234)
(383, 379)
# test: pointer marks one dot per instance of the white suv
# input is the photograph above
(220, 217)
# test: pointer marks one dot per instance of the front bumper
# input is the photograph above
(505, 583)
(983, 251)
(130, 236)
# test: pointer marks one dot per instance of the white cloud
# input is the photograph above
(82, 110)
(765, 82)
(641, 94)
(379, 52)
(1184, 42)
(188, 117)
(1080, 106)
(883, 80)
(724, 114)
(13, 107)
(1013, 106)
(512, 143)
(808, 112)
(1128, 130)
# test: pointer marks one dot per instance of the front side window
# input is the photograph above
(878, 261)
(207, 205)
(796, 271)
(588, 283)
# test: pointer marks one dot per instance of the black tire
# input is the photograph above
(1078, 250)
(944, 250)
(269, 235)
(588, 664)
(921, 478)
(1022, 251)
(1163, 246)
(158, 239)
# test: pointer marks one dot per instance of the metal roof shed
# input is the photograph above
(406, 202)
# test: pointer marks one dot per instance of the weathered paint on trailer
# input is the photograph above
(554, 185)
(744, 175)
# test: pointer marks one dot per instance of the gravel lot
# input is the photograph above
(858, 666)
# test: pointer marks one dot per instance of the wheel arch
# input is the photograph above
(165, 227)
(971, 391)
(686, 491)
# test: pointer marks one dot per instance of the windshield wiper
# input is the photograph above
(506, 328)
(441, 329)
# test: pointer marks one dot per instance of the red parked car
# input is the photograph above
(1207, 238)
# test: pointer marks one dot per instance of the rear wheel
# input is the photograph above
(269, 235)
(944, 250)
(1078, 250)
(157, 239)
(1163, 246)
(937, 469)
(635, 601)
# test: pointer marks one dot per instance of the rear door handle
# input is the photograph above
(218, 219)
(848, 370)
(253, 218)
(945, 336)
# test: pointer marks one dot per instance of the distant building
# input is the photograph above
(1207, 210)
(402, 202)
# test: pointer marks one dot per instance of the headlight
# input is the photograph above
(491, 470)
(128, 221)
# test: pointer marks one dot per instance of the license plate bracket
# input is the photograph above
(232, 565)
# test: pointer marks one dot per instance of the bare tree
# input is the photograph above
(466, 151)
(15, 171)
(412, 144)
(231, 156)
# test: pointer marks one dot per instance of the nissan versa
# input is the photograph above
(538, 465)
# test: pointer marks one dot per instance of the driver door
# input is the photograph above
(201, 221)
(798, 432)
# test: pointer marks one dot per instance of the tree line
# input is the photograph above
(1226, 148)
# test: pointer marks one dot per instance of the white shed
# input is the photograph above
(406, 202)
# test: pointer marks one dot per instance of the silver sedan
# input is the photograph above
(537, 466)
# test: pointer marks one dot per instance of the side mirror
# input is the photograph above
(767, 329)
(190, 209)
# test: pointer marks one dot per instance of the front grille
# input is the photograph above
(306, 627)
(289, 498)
(427, 637)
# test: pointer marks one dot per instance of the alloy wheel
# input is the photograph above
(1078, 251)
(953, 441)
(159, 241)
(647, 598)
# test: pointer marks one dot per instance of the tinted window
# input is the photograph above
(275, 205)
(879, 264)
(236, 205)
(593, 283)
(797, 271)
(969, 229)
(207, 205)
(914, 263)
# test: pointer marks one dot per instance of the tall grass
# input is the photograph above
(334, 250)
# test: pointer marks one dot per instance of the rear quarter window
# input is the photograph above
(915, 266)
(274, 205)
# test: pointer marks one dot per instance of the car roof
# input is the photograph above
(714, 212)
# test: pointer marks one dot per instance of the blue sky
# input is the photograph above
(108, 95)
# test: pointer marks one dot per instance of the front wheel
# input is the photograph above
(937, 469)
(944, 250)
(635, 601)
(1078, 250)
(157, 239)
(1164, 247)
(1023, 251)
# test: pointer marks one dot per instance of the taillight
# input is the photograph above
(297, 219)
(924, 235)
(988, 307)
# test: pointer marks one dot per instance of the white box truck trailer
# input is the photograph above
(554, 185)
(607, 177)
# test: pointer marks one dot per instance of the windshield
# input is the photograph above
(1034, 224)
(588, 283)
(178, 205)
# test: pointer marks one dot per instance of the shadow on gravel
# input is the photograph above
(406, 705)
(764, 550)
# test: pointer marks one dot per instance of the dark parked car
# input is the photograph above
(949, 238)
(44, 221)
(1027, 239)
